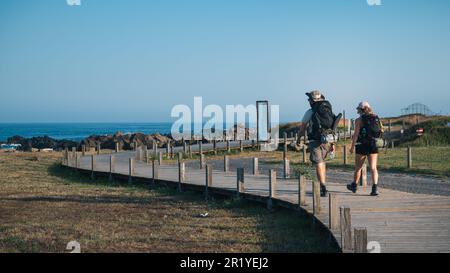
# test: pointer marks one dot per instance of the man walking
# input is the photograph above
(317, 121)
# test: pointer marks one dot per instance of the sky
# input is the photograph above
(133, 60)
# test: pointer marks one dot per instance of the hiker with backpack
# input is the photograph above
(320, 123)
(365, 143)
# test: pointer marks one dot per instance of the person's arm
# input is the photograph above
(355, 134)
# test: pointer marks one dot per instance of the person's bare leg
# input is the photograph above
(359, 162)
(373, 160)
(321, 173)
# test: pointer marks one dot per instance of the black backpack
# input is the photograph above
(323, 119)
(372, 127)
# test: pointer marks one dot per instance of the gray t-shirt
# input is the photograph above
(307, 116)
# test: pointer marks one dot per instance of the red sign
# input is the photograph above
(419, 131)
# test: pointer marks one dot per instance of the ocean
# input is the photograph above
(78, 131)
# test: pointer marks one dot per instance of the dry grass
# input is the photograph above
(43, 207)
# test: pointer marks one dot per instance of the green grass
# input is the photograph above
(44, 206)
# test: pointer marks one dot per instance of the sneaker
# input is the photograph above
(374, 191)
(323, 191)
(352, 187)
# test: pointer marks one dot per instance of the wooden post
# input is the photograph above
(363, 179)
(66, 155)
(130, 170)
(228, 146)
(226, 163)
(360, 235)
(241, 146)
(117, 147)
(344, 154)
(346, 228)
(92, 166)
(255, 166)
(184, 147)
(181, 174)
(333, 215)
(215, 146)
(189, 149)
(208, 179)
(304, 153)
(168, 148)
(83, 150)
(345, 127)
(155, 148)
(272, 187)
(316, 198)
(240, 181)
(77, 160)
(285, 146)
(202, 161)
(155, 170)
(286, 168)
(301, 190)
(98, 149)
(160, 158)
(112, 162)
(409, 157)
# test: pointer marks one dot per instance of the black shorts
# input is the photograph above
(365, 149)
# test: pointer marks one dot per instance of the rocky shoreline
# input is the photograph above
(105, 141)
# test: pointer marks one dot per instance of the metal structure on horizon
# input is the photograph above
(417, 108)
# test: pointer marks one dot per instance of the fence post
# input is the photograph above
(346, 228)
(226, 163)
(200, 147)
(184, 146)
(344, 154)
(316, 197)
(240, 181)
(181, 174)
(160, 158)
(117, 147)
(130, 170)
(285, 146)
(241, 146)
(77, 160)
(409, 157)
(286, 168)
(255, 166)
(228, 146)
(66, 156)
(272, 187)
(363, 179)
(83, 150)
(215, 146)
(333, 212)
(208, 179)
(301, 190)
(304, 153)
(155, 169)
(99, 148)
(74, 151)
(92, 166)
(112, 162)
(202, 161)
(360, 236)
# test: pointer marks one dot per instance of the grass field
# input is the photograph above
(426, 160)
(44, 206)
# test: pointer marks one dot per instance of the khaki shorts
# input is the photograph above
(317, 152)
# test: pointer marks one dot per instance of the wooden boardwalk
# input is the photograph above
(395, 221)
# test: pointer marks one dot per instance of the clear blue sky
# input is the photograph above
(132, 60)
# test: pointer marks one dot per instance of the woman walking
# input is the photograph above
(368, 128)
